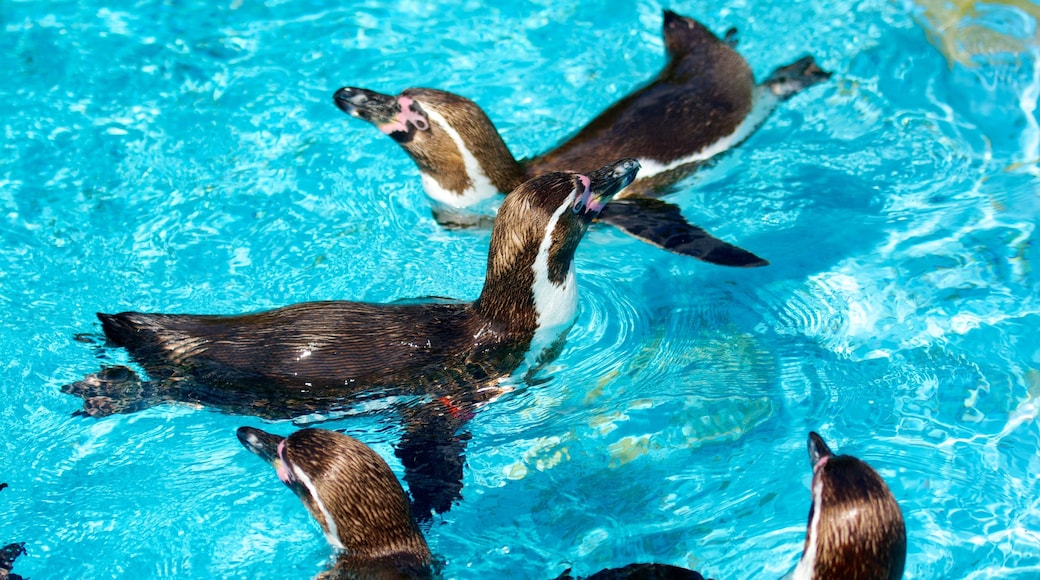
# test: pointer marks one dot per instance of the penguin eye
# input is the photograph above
(419, 119)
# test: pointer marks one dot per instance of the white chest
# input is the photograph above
(556, 304)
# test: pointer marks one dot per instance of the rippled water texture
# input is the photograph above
(187, 157)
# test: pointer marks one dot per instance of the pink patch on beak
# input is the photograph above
(401, 120)
(586, 202)
(283, 471)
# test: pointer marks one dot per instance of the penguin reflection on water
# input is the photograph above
(855, 530)
(322, 357)
(704, 102)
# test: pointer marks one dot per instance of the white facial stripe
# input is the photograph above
(804, 571)
(331, 532)
(555, 305)
(763, 102)
(481, 187)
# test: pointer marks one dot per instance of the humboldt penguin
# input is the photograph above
(704, 102)
(320, 358)
(855, 529)
(8, 554)
(355, 497)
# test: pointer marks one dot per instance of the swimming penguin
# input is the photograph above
(704, 102)
(354, 496)
(640, 572)
(855, 530)
(8, 554)
(318, 358)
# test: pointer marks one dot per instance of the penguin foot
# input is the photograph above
(788, 80)
(116, 389)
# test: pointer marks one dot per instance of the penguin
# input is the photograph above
(355, 497)
(704, 102)
(640, 572)
(318, 358)
(855, 529)
(8, 554)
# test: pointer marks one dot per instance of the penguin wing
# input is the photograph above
(663, 225)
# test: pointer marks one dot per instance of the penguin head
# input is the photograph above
(460, 154)
(856, 528)
(347, 487)
(400, 117)
(535, 235)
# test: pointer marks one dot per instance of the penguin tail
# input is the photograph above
(121, 329)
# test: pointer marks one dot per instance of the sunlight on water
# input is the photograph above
(187, 157)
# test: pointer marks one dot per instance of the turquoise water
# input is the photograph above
(186, 157)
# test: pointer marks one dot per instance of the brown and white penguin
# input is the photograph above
(855, 530)
(704, 102)
(355, 497)
(317, 358)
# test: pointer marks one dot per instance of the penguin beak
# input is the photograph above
(397, 116)
(270, 448)
(603, 184)
(818, 450)
(261, 443)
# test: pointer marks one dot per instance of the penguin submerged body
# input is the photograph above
(320, 358)
(704, 102)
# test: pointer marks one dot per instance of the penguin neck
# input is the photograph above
(523, 293)
(411, 564)
(807, 564)
(479, 168)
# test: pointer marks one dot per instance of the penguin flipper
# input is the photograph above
(432, 451)
(662, 224)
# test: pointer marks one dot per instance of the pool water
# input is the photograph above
(187, 157)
